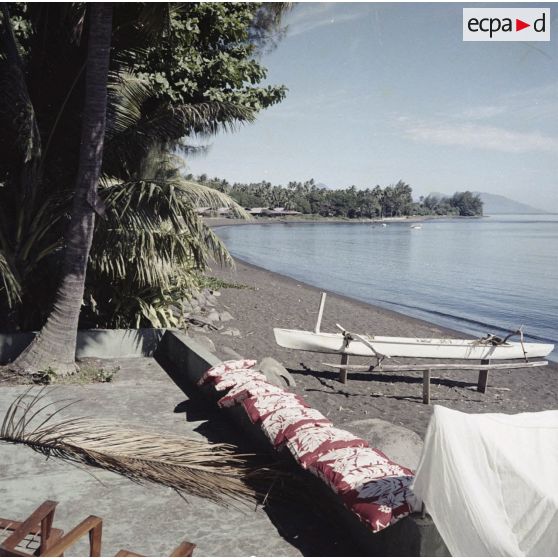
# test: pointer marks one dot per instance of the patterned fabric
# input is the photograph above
(282, 424)
(224, 368)
(389, 500)
(261, 406)
(235, 378)
(311, 441)
(250, 388)
(375, 488)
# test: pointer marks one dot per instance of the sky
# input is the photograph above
(380, 92)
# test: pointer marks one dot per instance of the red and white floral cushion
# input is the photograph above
(224, 368)
(236, 378)
(349, 468)
(375, 488)
(261, 406)
(248, 389)
(383, 502)
(311, 441)
(280, 425)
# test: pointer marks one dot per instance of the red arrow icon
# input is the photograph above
(519, 25)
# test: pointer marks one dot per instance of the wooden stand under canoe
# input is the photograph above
(485, 350)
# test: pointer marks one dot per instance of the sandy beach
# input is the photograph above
(273, 300)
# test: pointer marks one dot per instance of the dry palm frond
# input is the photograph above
(191, 467)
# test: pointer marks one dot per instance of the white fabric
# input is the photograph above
(490, 482)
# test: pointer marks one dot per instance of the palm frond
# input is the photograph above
(18, 114)
(8, 280)
(191, 467)
(152, 233)
(134, 128)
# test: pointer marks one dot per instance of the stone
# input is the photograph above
(400, 444)
(226, 353)
(213, 316)
(225, 316)
(275, 372)
(206, 342)
(232, 331)
(210, 300)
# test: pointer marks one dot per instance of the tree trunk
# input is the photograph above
(55, 346)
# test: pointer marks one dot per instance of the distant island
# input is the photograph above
(309, 198)
(495, 204)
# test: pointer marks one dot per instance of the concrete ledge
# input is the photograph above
(186, 361)
(100, 343)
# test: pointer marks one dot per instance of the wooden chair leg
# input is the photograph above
(92, 526)
(42, 516)
(185, 548)
(127, 553)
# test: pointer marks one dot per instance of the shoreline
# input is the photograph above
(274, 300)
(372, 307)
(216, 222)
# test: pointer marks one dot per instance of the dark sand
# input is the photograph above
(277, 301)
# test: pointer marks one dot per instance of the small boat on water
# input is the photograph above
(416, 226)
(370, 346)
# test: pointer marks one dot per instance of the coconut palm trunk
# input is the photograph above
(55, 345)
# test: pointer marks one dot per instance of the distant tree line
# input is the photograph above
(309, 198)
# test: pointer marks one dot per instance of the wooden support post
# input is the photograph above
(483, 378)
(320, 313)
(343, 371)
(426, 387)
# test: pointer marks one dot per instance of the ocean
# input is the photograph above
(477, 276)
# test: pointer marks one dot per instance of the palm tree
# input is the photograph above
(55, 345)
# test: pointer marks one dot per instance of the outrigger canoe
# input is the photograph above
(369, 346)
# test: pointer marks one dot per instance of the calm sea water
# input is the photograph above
(477, 276)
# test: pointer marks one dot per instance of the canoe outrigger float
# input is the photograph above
(347, 344)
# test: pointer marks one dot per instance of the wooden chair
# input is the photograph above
(53, 542)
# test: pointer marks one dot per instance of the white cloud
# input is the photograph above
(479, 137)
(314, 16)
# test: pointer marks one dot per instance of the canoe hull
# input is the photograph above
(410, 347)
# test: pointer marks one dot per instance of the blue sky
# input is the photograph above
(380, 92)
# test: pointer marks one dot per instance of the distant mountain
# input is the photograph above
(494, 204)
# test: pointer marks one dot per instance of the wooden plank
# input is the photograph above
(483, 377)
(422, 367)
(343, 368)
(185, 548)
(426, 387)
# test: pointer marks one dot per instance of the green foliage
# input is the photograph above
(45, 377)
(467, 204)
(215, 283)
(90, 371)
(306, 197)
(178, 71)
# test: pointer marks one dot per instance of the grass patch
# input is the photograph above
(91, 371)
(216, 284)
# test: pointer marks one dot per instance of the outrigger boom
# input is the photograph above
(347, 344)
